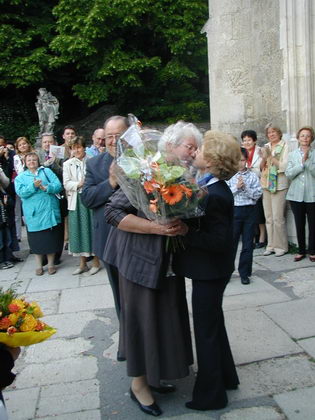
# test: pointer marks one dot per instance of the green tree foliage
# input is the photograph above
(25, 32)
(147, 56)
(144, 56)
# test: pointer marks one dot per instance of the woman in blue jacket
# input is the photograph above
(37, 187)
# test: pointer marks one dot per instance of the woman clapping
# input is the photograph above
(301, 194)
(37, 187)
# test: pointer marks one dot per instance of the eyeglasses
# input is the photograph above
(190, 147)
(112, 136)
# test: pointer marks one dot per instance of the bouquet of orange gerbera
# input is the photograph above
(159, 185)
(19, 321)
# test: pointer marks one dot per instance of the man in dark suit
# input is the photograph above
(99, 185)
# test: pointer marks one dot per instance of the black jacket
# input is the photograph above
(208, 253)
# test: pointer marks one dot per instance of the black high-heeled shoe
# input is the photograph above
(152, 410)
(163, 388)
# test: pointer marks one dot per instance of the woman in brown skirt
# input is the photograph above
(154, 322)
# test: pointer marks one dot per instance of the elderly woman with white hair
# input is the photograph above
(154, 335)
(181, 140)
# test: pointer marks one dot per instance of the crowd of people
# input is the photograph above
(75, 203)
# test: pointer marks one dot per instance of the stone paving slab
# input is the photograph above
(257, 285)
(250, 413)
(253, 336)
(98, 278)
(59, 371)
(21, 404)
(111, 351)
(298, 404)
(308, 344)
(21, 285)
(297, 317)
(66, 398)
(44, 283)
(273, 376)
(72, 324)
(10, 274)
(84, 415)
(86, 298)
(253, 299)
(48, 300)
(51, 350)
(286, 262)
(301, 281)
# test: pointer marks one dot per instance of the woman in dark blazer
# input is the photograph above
(208, 261)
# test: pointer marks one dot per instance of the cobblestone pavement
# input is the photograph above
(75, 375)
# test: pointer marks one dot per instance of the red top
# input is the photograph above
(250, 157)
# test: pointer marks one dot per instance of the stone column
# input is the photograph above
(298, 49)
(245, 65)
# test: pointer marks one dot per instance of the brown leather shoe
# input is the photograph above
(39, 271)
(52, 270)
(312, 258)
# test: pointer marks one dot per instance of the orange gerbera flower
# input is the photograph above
(172, 194)
(187, 191)
(151, 186)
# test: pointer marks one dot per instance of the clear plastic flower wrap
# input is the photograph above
(155, 182)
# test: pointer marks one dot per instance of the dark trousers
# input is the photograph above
(216, 369)
(244, 225)
(113, 278)
(300, 212)
(5, 243)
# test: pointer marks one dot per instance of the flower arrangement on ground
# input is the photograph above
(19, 321)
(157, 183)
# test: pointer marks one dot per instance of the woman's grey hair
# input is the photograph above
(176, 133)
(274, 127)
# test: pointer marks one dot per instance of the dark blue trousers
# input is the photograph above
(244, 225)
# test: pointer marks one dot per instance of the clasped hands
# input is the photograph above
(38, 184)
(174, 228)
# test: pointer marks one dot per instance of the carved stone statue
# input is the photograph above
(47, 107)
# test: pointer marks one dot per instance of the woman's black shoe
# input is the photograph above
(163, 388)
(260, 245)
(153, 409)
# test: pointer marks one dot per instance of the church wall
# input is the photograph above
(245, 65)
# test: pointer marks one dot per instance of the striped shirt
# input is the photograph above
(249, 193)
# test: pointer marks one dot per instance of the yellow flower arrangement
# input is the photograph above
(19, 323)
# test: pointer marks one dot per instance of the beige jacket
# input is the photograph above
(255, 167)
(73, 172)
